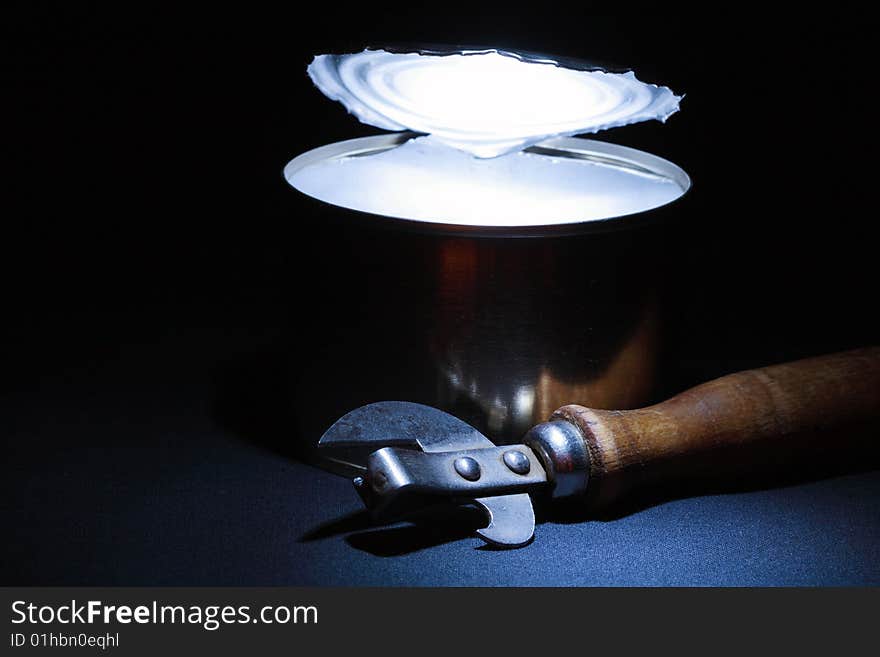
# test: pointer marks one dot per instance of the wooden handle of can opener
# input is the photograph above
(789, 406)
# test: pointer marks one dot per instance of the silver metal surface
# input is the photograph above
(467, 467)
(511, 520)
(562, 450)
(516, 461)
(357, 434)
(497, 331)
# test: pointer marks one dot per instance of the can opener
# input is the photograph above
(407, 456)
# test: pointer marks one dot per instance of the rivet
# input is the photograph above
(467, 468)
(517, 461)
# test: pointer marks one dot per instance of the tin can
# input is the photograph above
(497, 325)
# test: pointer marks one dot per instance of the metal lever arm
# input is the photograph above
(398, 480)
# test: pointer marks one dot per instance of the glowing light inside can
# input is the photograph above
(422, 180)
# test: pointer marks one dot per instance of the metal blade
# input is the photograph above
(357, 434)
(511, 520)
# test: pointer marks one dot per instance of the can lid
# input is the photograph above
(487, 102)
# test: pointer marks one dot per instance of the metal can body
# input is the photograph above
(497, 326)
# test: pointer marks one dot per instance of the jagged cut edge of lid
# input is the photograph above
(365, 84)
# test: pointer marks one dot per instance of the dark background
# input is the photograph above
(152, 254)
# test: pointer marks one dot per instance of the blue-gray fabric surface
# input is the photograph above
(198, 507)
